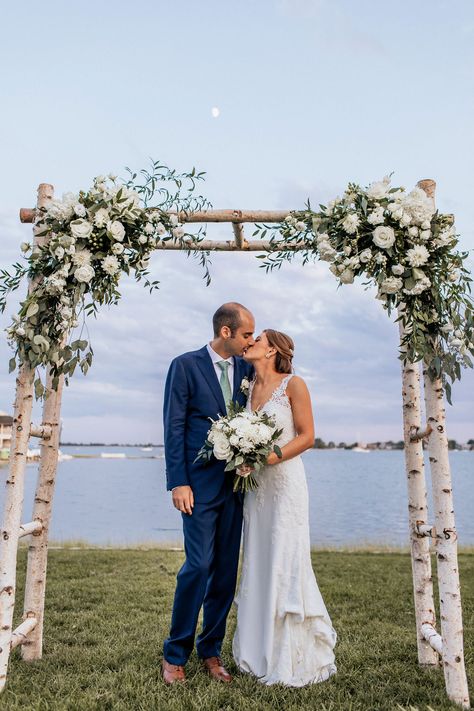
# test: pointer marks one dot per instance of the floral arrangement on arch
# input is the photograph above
(402, 245)
(85, 242)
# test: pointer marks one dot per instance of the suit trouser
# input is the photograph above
(207, 578)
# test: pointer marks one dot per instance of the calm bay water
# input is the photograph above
(355, 498)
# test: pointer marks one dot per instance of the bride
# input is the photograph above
(284, 633)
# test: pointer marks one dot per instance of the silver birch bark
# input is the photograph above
(15, 489)
(417, 510)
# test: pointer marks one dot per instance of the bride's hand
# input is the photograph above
(244, 470)
(273, 458)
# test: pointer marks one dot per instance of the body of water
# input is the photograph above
(355, 498)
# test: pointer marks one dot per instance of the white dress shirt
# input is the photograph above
(215, 357)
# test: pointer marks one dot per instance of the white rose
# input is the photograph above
(234, 440)
(413, 231)
(425, 235)
(117, 248)
(59, 252)
(398, 269)
(326, 251)
(347, 276)
(143, 239)
(221, 448)
(365, 255)
(426, 225)
(84, 273)
(376, 217)
(81, 229)
(80, 210)
(384, 236)
(405, 219)
(391, 285)
(300, 226)
(101, 217)
(350, 223)
(418, 255)
(116, 230)
(110, 264)
(379, 189)
(149, 228)
(20, 331)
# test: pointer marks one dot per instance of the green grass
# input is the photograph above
(108, 612)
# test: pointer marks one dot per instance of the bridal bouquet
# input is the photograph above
(242, 438)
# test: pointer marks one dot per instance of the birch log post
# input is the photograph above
(417, 510)
(15, 488)
(35, 586)
(446, 547)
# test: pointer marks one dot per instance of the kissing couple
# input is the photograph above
(284, 633)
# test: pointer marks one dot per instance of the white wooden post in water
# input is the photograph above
(430, 643)
(446, 540)
(12, 529)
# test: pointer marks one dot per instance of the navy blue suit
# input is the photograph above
(212, 533)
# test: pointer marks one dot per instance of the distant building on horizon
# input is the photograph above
(6, 426)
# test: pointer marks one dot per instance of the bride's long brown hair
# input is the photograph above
(284, 350)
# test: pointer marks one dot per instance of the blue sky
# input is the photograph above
(312, 94)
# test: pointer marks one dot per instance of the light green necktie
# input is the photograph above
(224, 382)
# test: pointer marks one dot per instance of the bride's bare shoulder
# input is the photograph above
(296, 386)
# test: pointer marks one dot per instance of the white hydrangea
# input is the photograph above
(418, 255)
(376, 217)
(391, 285)
(419, 206)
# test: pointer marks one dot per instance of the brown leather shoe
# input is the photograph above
(173, 673)
(216, 669)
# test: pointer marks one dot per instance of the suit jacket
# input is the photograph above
(192, 396)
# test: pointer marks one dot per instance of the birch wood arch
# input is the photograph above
(441, 646)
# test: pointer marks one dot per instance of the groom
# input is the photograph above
(199, 386)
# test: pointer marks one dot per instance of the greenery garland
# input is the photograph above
(86, 242)
(398, 242)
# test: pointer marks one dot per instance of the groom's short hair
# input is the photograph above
(227, 315)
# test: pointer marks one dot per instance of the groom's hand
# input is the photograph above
(183, 499)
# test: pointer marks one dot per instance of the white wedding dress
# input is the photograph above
(284, 633)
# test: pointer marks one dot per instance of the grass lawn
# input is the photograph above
(108, 611)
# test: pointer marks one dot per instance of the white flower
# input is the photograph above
(398, 269)
(425, 235)
(101, 217)
(379, 189)
(391, 285)
(117, 248)
(405, 219)
(20, 331)
(54, 284)
(110, 264)
(365, 255)
(326, 251)
(418, 255)
(25, 247)
(81, 229)
(376, 217)
(80, 210)
(419, 206)
(174, 220)
(413, 231)
(420, 286)
(380, 258)
(455, 342)
(426, 225)
(178, 232)
(347, 250)
(234, 440)
(149, 228)
(59, 252)
(160, 228)
(300, 226)
(143, 239)
(350, 223)
(245, 386)
(384, 236)
(116, 230)
(347, 276)
(82, 257)
(221, 447)
(84, 273)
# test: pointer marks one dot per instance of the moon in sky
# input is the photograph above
(215, 111)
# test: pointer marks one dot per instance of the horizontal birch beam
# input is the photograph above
(31, 527)
(28, 215)
(432, 637)
(210, 245)
(20, 634)
(40, 431)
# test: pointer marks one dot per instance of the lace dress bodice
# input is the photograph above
(280, 407)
